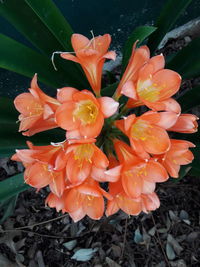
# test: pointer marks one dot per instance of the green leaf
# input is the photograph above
(109, 90)
(187, 61)
(190, 99)
(39, 26)
(12, 186)
(7, 207)
(167, 18)
(26, 21)
(23, 60)
(54, 21)
(11, 139)
(140, 34)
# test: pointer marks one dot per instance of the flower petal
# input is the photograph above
(108, 106)
(77, 171)
(92, 130)
(128, 89)
(77, 215)
(38, 175)
(65, 94)
(157, 141)
(79, 41)
(132, 184)
(167, 119)
(64, 116)
(169, 104)
(57, 185)
(99, 159)
(155, 172)
(69, 56)
(128, 205)
(167, 81)
(112, 207)
(90, 207)
(110, 55)
(73, 200)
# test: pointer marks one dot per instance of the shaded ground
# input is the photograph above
(166, 237)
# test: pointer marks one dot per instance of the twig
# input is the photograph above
(34, 233)
(43, 235)
(36, 224)
(160, 243)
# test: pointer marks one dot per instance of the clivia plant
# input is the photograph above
(110, 146)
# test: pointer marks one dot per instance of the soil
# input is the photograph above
(37, 236)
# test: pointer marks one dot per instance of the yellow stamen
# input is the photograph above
(139, 130)
(86, 111)
(148, 91)
(84, 152)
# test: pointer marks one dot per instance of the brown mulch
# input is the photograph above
(170, 236)
(166, 237)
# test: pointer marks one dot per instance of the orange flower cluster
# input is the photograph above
(75, 168)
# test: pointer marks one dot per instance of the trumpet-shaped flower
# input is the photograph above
(81, 114)
(186, 123)
(86, 199)
(146, 82)
(84, 160)
(91, 55)
(138, 58)
(179, 154)
(40, 165)
(37, 110)
(131, 206)
(138, 176)
(53, 201)
(147, 133)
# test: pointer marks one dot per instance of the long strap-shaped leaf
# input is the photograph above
(26, 21)
(39, 26)
(168, 16)
(140, 34)
(23, 60)
(12, 186)
(7, 207)
(54, 21)
(190, 99)
(187, 60)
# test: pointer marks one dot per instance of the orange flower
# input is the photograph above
(186, 123)
(84, 159)
(81, 114)
(146, 82)
(131, 206)
(40, 165)
(179, 154)
(37, 110)
(91, 54)
(53, 201)
(147, 133)
(86, 199)
(138, 176)
(138, 58)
